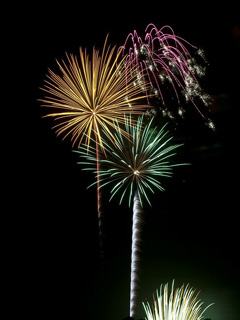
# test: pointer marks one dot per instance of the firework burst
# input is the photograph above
(181, 304)
(138, 164)
(90, 94)
(170, 69)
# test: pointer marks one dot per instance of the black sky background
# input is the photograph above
(191, 233)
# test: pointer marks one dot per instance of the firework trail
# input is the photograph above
(87, 95)
(135, 252)
(181, 304)
(170, 70)
(134, 168)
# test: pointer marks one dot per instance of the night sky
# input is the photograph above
(191, 232)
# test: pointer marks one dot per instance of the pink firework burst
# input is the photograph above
(166, 63)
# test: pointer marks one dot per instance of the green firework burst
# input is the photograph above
(137, 164)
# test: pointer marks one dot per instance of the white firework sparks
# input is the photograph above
(181, 304)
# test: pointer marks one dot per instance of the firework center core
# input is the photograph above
(136, 172)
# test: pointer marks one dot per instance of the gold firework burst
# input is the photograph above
(90, 94)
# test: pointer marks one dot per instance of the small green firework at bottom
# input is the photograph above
(181, 304)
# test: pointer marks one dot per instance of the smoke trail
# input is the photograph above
(99, 207)
(136, 241)
(101, 230)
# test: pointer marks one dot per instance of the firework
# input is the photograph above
(135, 167)
(88, 95)
(137, 164)
(181, 304)
(170, 69)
